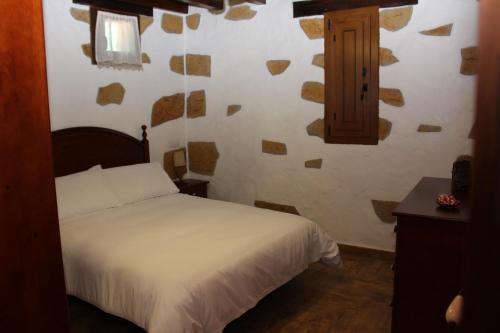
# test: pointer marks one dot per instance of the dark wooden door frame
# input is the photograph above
(482, 282)
(31, 271)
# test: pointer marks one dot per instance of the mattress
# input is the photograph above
(186, 264)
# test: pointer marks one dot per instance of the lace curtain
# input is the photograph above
(117, 41)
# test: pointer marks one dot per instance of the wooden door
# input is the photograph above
(351, 76)
(31, 275)
(482, 285)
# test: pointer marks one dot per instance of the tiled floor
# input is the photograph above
(353, 299)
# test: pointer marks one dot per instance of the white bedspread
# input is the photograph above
(185, 264)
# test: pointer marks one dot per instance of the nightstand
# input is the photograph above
(194, 187)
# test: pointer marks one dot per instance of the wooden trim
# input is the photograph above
(117, 7)
(318, 7)
(209, 4)
(366, 251)
(142, 7)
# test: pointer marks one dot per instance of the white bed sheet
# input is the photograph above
(185, 264)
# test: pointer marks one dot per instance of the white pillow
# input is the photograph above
(138, 182)
(83, 192)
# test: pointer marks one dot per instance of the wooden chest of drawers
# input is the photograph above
(429, 258)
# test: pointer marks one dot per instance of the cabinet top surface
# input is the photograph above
(421, 202)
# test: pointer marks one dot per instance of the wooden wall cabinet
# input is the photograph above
(351, 76)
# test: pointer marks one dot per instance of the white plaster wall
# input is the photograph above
(337, 196)
(73, 81)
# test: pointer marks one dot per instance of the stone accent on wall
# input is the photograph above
(276, 67)
(177, 64)
(81, 15)
(144, 23)
(196, 104)
(386, 57)
(444, 30)
(172, 24)
(87, 50)
(392, 96)
(384, 128)
(469, 61)
(395, 19)
(272, 147)
(240, 13)
(197, 64)
(317, 128)
(168, 164)
(167, 108)
(314, 164)
(277, 207)
(429, 128)
(145, 58)
(193, 21)
(232, 109)
(319, 60)
(313, 92)
(203, 157)
(313, 28)
(111, 94)
(384, 209)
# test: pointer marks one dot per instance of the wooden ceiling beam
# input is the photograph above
(318, 7)
(209, 4)
(138, 6)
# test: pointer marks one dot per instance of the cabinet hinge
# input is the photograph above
(334, 38)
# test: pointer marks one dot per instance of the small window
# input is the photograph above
(116, 41)
(351, 76)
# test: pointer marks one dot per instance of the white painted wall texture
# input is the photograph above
(74, 82)
(338, 196)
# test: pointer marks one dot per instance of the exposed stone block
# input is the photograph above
(232, 109)
(277, 207)
(319, 60)
(444, 30)
(384, 128)
(193, 21)
(429, 128)
(272, 147)
(80, 14)
(240, 13)
(203, 157)
(172, 24)
(177, 64)
(144, 23)
(317, 128)
(313, 28)
(276, 67)
(395, 19)
(196, 104)
(314, 164)
(111, 94)
(145, 58)
(167, 108)
(386, 57)
(470, 60)
(87, 50)
(392, 96)
(313, 92)
(197, 64)
(384, 210)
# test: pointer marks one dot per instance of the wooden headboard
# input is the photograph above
(79, 148)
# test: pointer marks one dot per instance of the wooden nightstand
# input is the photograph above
(194, 187)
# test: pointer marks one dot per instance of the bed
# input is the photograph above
(175, 263)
